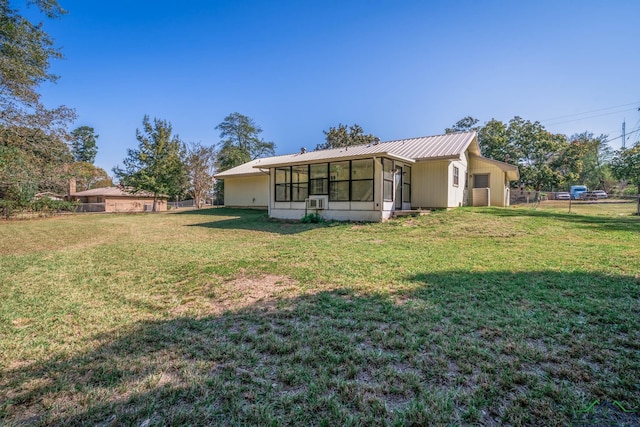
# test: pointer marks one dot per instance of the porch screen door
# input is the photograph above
(398, 192)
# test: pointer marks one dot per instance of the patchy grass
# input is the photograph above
(473, 316)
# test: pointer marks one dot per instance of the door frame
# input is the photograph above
(398, 184)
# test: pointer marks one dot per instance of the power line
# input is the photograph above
(591, 117)
(636, 130)
(589, 112)
(619, 137)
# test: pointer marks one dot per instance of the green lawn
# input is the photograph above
(472, 316)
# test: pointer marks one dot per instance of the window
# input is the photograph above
(406, 193)
(481, 181)
(283, 184)
(362, 180)
(319, 179)
(339, 181)
(387, 181)
(300, 182)
(456, 176)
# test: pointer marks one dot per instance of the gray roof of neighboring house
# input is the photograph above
(114, 192)
(413, 149)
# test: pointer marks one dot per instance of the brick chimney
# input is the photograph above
(72, 187)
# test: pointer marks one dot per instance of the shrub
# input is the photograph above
(43, 206)
(49, 206)
(311, 218)
(7, 207)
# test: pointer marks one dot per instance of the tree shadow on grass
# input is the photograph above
(451, 347)
(589, 222)
(249, 219)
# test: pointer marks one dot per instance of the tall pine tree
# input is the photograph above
(157, 165)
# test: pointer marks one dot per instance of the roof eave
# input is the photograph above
(448, 157)
(335, 159)
(240, 175)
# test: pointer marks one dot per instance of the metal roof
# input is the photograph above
(413, 149)
(250, 168)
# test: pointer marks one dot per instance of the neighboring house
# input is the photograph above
(371, 182)
(115, 199)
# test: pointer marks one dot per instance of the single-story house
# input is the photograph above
(116, 199)
(370, 182)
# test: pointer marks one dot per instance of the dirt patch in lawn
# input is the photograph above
(243, 292)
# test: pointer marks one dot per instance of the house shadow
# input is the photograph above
(249, 219)
(220, 211)
(341, 356)
(587, 222)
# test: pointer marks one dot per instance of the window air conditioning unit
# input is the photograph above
(315, 203)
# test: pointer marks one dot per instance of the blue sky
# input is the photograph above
(400, 69)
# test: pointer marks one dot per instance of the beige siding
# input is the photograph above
(456, 193)
(497, 181)
(248, 192)
(430, 184)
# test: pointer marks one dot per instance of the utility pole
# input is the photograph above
(623, 133)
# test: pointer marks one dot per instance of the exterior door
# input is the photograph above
(398, 192)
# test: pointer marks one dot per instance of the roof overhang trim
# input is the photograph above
(257, 172)
(452, 157)
(335, 159)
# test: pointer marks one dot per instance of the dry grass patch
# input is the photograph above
(238, 293)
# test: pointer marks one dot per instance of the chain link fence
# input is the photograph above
(614, 205)
(190, 204)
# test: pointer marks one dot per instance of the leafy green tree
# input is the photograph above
(595, 157)
(200, 168)
(535, 148)
(83, 144)
(492, 137)
(625, 165)
(157, 164)
(32, 161)
(464, 125)
(240, 142)
(570, 163)
(33, 153)
(494, 142)
(26, 51)
(89, 176)
(525, 143)
(345, 136)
